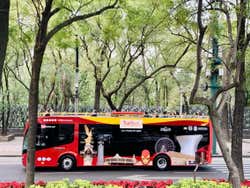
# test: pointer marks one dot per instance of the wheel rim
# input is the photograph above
(162, 163)
(67, 163)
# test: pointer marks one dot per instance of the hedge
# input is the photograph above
(186, 183)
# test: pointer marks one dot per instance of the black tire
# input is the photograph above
(67, 162)
(161, 162)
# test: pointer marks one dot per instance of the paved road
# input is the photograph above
(11, 170)
(219, 165)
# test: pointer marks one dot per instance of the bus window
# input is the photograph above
(49, 135)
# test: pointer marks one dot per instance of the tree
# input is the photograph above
(4, 30)
(238, 51)
(5, 103)
(45, 11)
(128, 51)
(235, 45)
(240, 90)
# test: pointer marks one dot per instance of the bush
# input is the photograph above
(206, 183)
(202, 184)
(76, 184)
(136, 184)
(11, 185)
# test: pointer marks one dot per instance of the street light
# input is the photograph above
(215, 73)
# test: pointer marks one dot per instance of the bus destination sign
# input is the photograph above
(131, 124)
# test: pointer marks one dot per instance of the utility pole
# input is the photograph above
(214, 77)
(76, 77)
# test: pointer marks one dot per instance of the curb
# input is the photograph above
(10, 156)
(246, 156)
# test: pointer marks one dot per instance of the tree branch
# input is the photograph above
(53, 12)
(193, 99)
(223, 89)
(89, 58)
(151, 75)
(17, 78)
(65, 23)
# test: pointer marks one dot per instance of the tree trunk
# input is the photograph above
(33, 109)
(238, 120)
(4, 32)
(7, 107)
(225, 119)
(3, 113)
(146, 96)
(225, 148)
(240, 101)
(157, 93)
(186, 105)
(226, 109)
(98, 86)
(165, 96)
(109, 101)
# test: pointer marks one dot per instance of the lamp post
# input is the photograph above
(214, 77)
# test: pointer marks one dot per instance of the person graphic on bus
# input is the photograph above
(88, 149)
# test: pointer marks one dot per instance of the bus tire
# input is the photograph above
(161, 162)
(67, 162)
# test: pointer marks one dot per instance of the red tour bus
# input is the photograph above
(121, 138)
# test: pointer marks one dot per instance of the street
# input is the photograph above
(12, 170)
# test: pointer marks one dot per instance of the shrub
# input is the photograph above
(136, 184)
(202, 184)
(205, 183)
(76, 184)
(13, 184)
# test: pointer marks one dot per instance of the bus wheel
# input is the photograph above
(67, 162)
(161, 162)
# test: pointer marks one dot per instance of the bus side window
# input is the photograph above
(49, 135)
(65, 133)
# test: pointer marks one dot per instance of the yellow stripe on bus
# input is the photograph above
(116, 120)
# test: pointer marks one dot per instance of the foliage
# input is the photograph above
(133, 184)
(118, 27)
(78, 183)
(189, 183)
(67, 184)
(115, 25)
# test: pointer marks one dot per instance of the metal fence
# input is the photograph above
(247, 118)
(17, 116)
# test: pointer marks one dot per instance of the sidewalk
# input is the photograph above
(245, 149)
(11, 148)
(14, 148)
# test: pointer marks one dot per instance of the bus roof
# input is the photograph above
(116, 118)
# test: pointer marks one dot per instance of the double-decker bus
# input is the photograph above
(121, 138)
